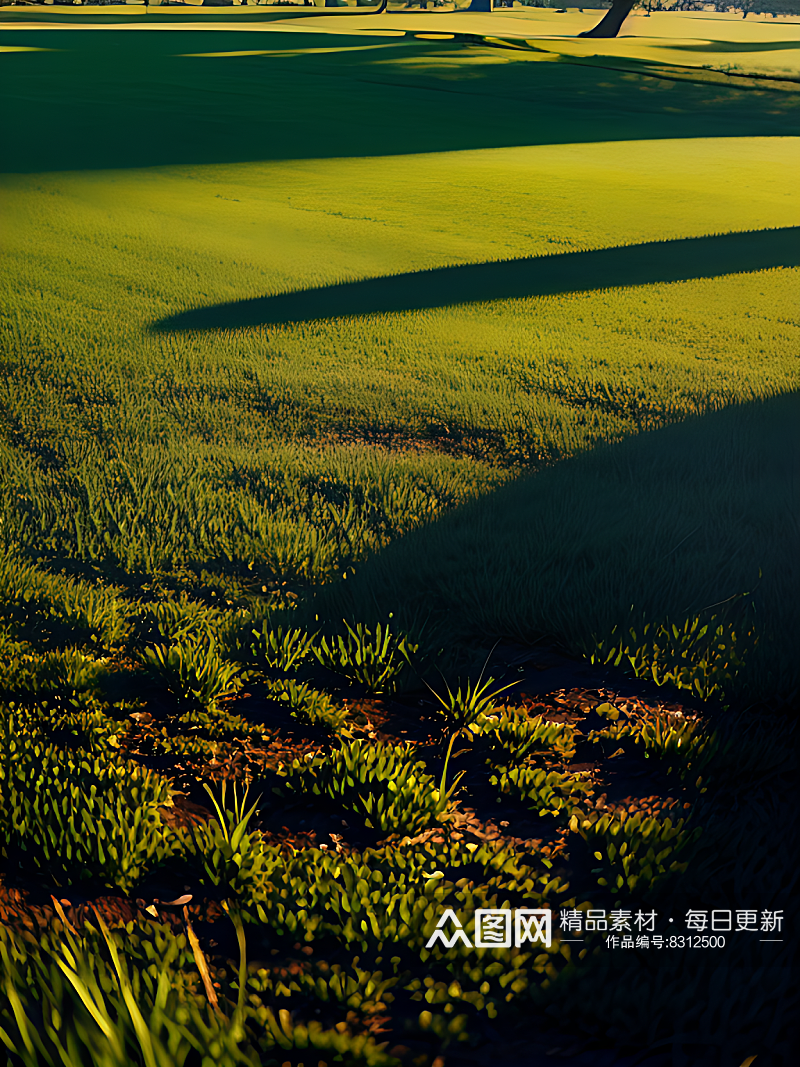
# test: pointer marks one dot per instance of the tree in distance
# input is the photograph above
(611, 23)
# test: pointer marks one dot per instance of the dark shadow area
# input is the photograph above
(128, 98)
(734, 46)
(643, 264)
(697, 518)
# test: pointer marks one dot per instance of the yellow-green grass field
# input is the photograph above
(172, 413)
(309, 319)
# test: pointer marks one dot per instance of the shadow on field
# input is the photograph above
(735, 46)
(643, 264)
(108, 100)
(677, 522)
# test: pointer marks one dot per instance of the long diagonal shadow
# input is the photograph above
(570, 272)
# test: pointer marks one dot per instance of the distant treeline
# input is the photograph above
(742, 7)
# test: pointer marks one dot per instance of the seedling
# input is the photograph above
(233, 823)
(463, 710)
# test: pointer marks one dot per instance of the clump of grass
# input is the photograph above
(267, 645)
(635, 852)
(683, 745)
(512, 734)
(77, 998)
(464, 712)
(65, 672)
(702, 657)
(375, 658)
(313, 707)
(50, 607)
(193, 674)
(383, 784)
(73, 815)
(177, 621)
(231, 857)
(546, 792)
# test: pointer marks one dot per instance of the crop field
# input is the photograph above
(399, 513)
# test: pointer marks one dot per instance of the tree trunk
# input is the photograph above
(611, 23)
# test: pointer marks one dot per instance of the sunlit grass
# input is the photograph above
(281, 456)
(300, 448)
(565, 466)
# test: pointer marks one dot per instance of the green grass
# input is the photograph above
(667, 525)
(344, 911)
(217, 433)
(157, 104)
(507, 340)
(290, 452)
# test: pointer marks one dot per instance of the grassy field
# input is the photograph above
(315, 316)
(218, 432)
